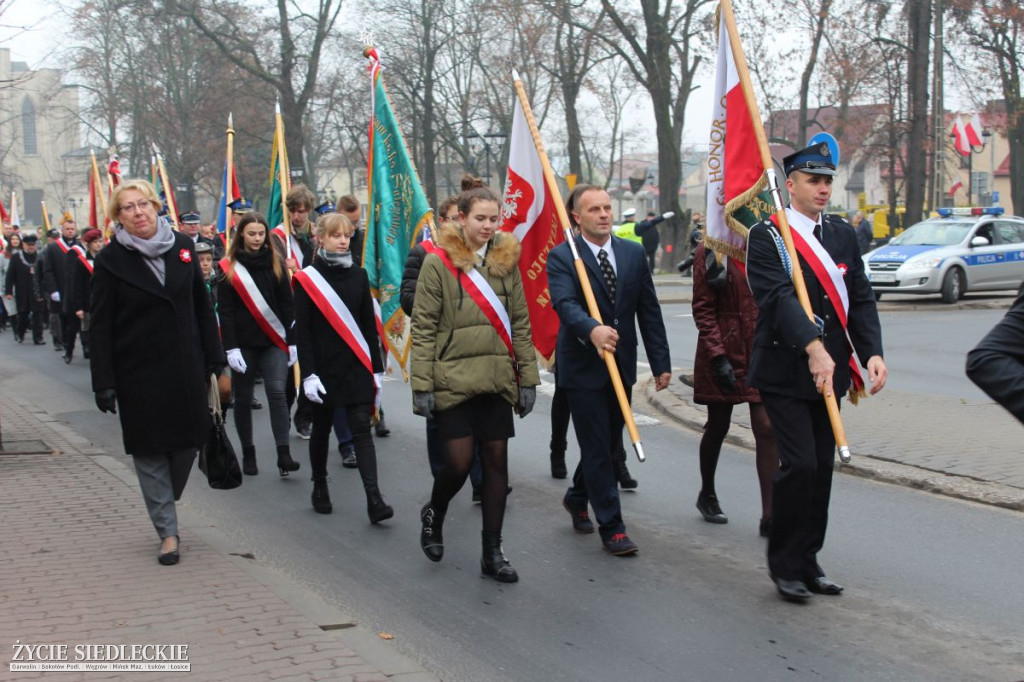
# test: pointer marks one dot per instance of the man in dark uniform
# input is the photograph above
(190, 224)
(795, 361)
(996, 364)
(649, 237)
(22, 285)
(624, 290)
(54, 277)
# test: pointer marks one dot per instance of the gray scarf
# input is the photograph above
(153, 249)
(335, 258)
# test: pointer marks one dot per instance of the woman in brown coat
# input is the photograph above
(725, 314)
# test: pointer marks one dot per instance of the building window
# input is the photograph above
(28, 127)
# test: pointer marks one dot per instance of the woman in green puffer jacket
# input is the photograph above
(463, 373)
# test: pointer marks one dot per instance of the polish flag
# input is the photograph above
(955, 186)
(529, 213)
(959, 135)
(973, 131)
(735, 171)
(3, 211)
(114, 171)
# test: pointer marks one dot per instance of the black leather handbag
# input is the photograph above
(217, 458)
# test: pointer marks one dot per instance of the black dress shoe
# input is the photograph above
(792, 590)
(67, 359)
(822, 585)
(581, 522)
(348, 458)
(764, 528)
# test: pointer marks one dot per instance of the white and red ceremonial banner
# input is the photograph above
(529, 213)
(735, 171)
(973, 131)
(959, 134)
(254, 302)
(15, 218)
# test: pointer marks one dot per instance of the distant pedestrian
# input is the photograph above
(996, 364)
(78, 292)
(154, 345)
(865, 232)
(649, 237)
(23, 288)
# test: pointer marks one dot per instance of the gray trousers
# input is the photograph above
(162, 478)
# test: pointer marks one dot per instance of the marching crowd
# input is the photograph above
(161, 313)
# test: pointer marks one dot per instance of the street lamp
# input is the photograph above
(486, 148)
(74, 204)
(985, 135)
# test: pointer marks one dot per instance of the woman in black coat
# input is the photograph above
(265, 343)
(333, 374)
(154, 344)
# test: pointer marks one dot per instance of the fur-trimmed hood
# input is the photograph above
(502, 251)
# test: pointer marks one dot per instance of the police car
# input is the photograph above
(963, 249)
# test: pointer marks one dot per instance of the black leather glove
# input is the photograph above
(423, 403)
(724, 376)
(106, 400)
(526, 400)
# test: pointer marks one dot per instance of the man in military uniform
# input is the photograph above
(190, 223)
(796, 361)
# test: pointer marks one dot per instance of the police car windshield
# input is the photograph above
(937, 232)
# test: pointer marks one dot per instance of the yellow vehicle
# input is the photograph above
(880, 228)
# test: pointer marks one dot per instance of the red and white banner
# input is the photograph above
(735, 171)
(335, 312)
(255, 303)
(529, 213)
(959, 134)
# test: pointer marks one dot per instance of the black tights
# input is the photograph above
(719, 419)
(451, 477)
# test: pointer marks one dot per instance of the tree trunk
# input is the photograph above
(915, 177)
(805, 78)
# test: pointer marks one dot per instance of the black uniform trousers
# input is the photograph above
(33, 316)
(598, 422)
(996, 364)
(803, 485)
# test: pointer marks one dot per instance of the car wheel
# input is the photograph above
(952, 285)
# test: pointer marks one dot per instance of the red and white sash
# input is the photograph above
(60, 243)
(336, 312)
(80, 252)
(830, 277)
(250, 294)
(292, 248)
(483, 295)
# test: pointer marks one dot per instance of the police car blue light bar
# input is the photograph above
(973, 210)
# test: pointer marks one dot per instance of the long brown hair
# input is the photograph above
(237, 244)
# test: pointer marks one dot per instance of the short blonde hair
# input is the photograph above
(330, 223)
(139, 185)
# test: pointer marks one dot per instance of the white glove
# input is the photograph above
(55, 297)
(378, 383)
(236, 362)
(668, 214)
(293, 355)
(313, 389)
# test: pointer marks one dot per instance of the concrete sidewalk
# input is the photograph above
(972, 451)
(79, 566)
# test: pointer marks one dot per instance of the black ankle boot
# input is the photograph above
(493, 563)
(249, 467)
(285, 463)
(626, 482)
(376, 507)
(431, 541)
(558, 469)
(321, 497)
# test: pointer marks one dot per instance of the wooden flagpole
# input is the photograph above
(284, 180)
(831, 403)
(581, 272)
(172, 210)
(100, 194)
(229, 184)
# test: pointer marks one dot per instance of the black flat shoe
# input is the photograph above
(823, 585)
(172, 557)
(764, 528)
(792, 590)
(558, 469)
(581, 522)
(67, 359)
(709, 508)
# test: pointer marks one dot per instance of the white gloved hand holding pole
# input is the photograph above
(293, 355)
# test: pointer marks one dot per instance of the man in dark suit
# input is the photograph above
(618, 274)
(795, 361)
(996, 364)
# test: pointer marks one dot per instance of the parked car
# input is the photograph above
(964, 249)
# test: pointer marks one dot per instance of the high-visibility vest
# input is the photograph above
(627, 230)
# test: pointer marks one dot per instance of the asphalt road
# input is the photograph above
(933, 584)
